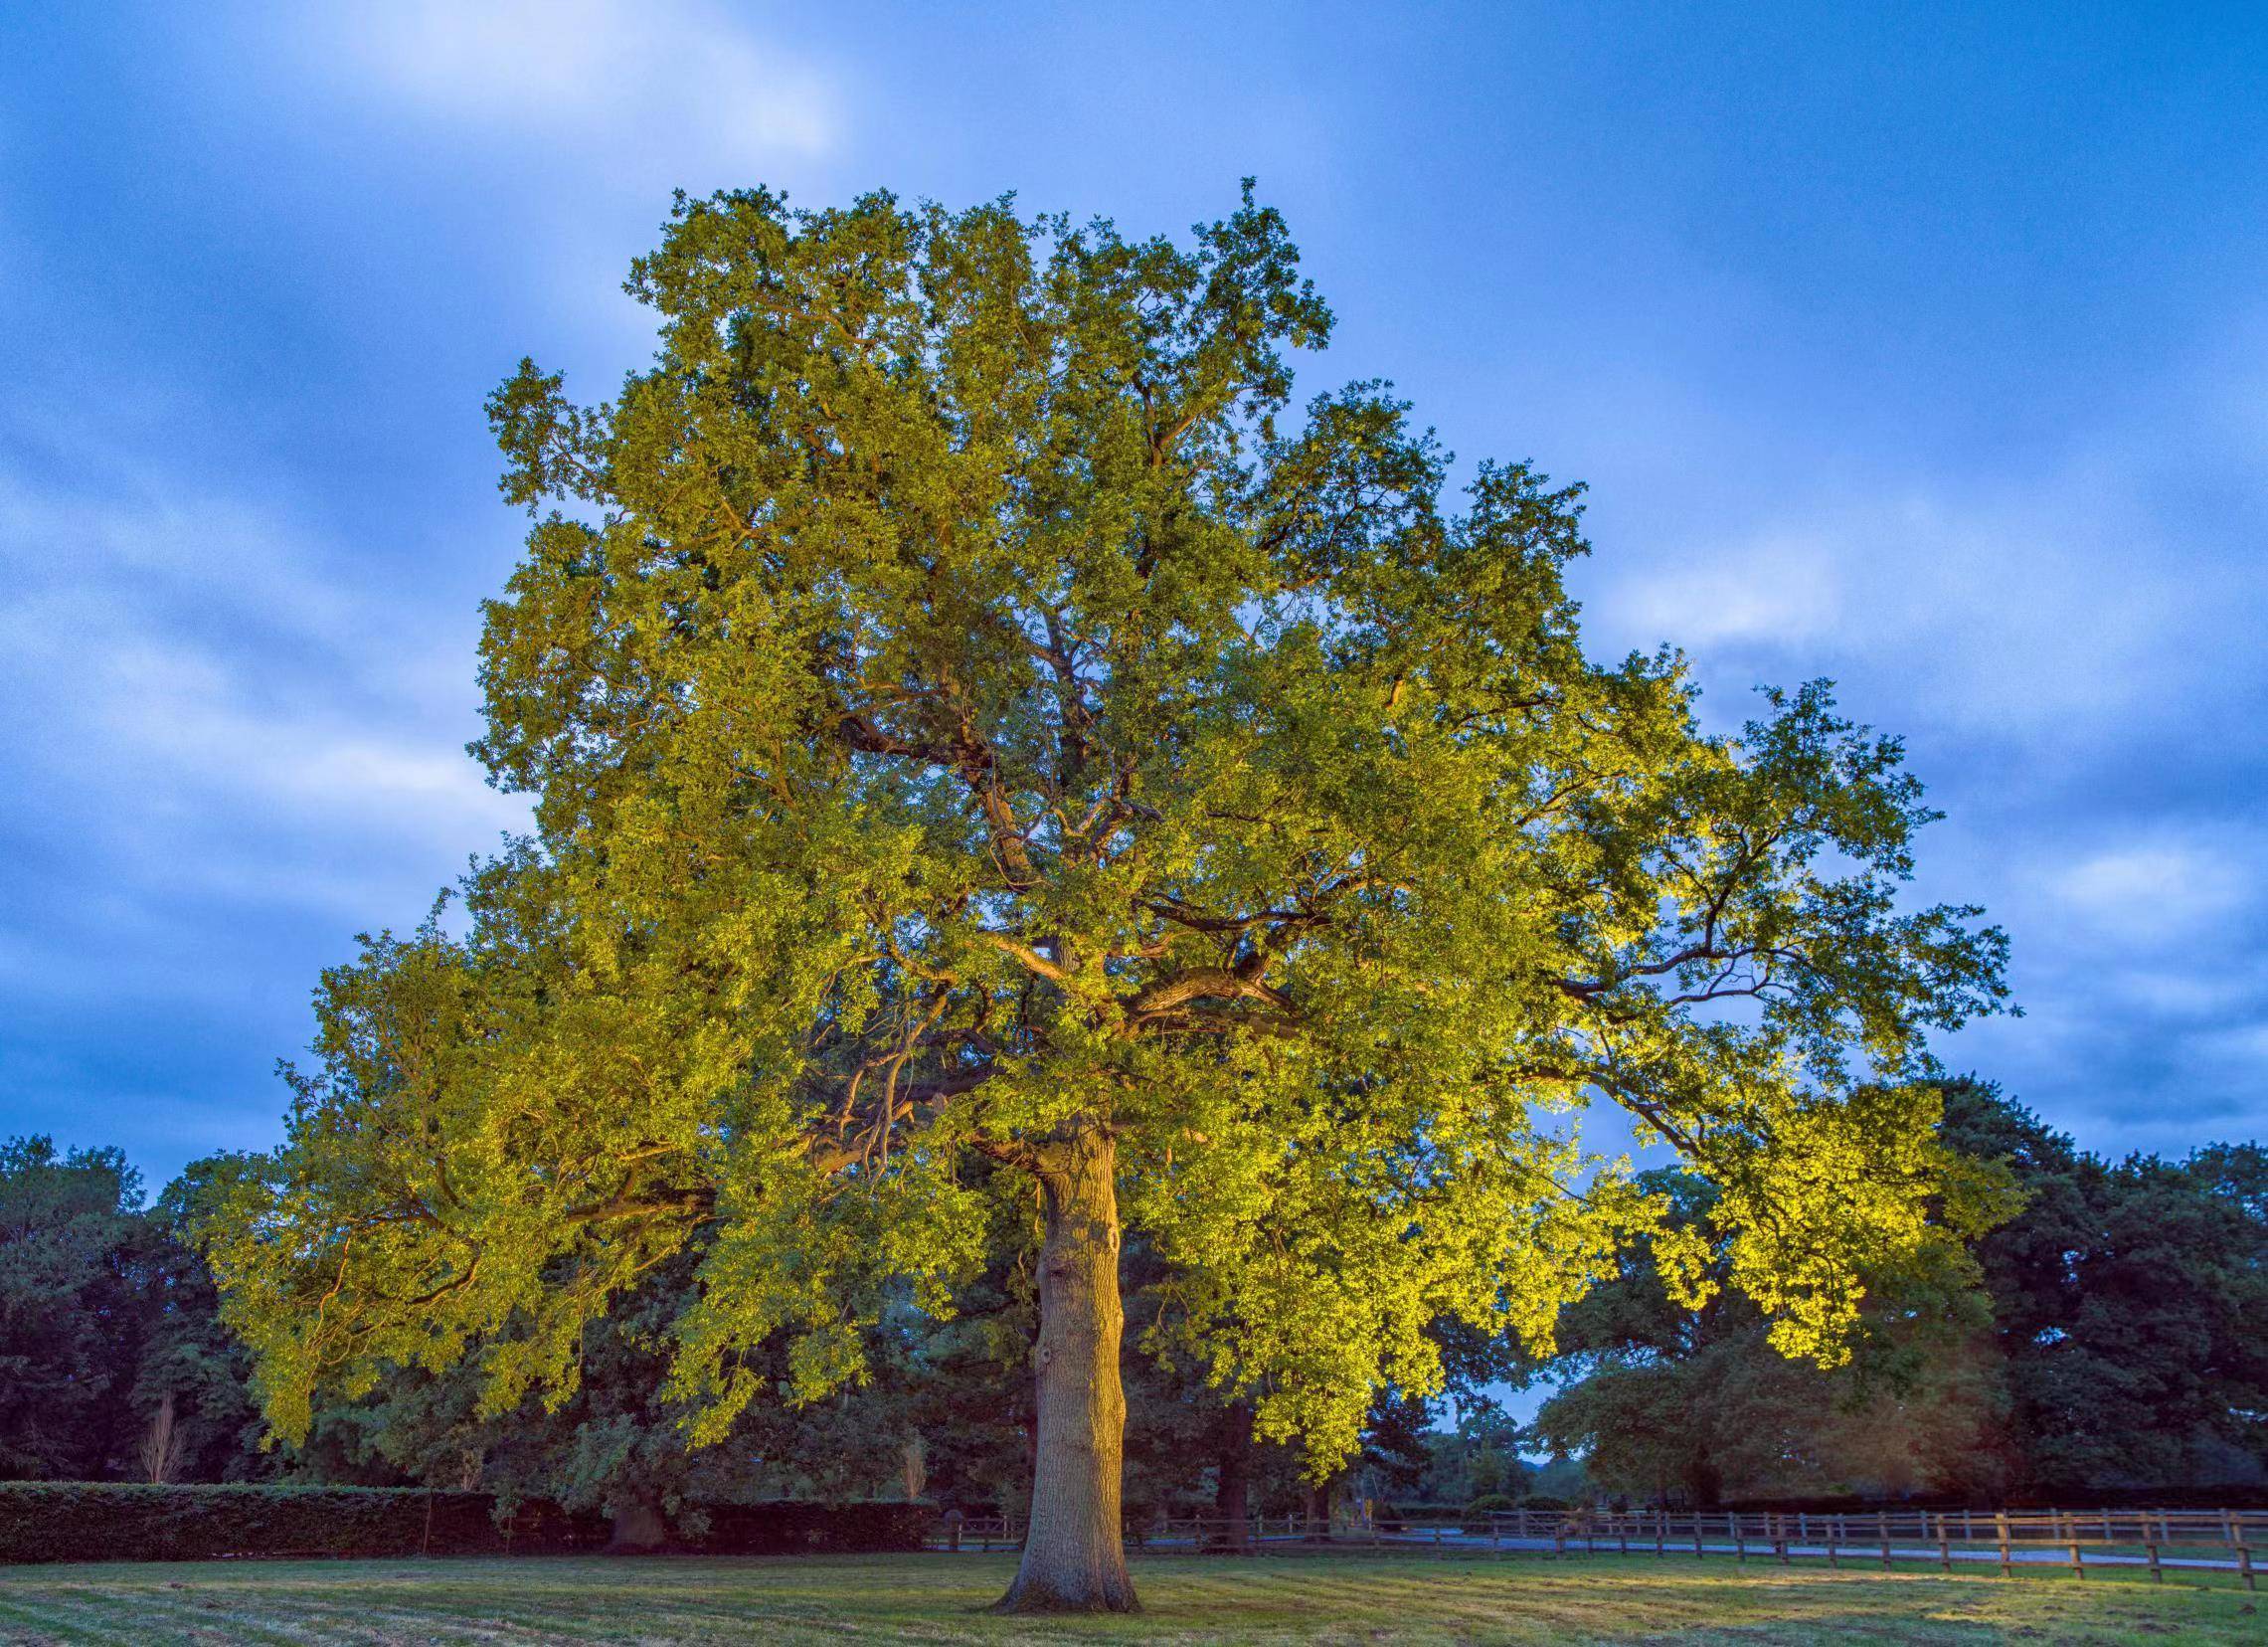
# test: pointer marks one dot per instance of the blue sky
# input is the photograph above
(1926, 350)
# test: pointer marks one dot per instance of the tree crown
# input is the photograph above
(965, 707)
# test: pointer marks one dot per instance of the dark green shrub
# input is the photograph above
(1544, 1501)
(73, 1520)
(798, 1529)
(118, 1522)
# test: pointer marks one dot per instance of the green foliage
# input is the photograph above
(186, 1355)
(968, 708)
(1692, 1406)
(1478, 1458)
(2128, 1300)
(617, 1439)
(2103, 1334)
(109, 1316)
(67, 1307)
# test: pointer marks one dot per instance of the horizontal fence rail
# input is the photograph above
(2189, 1540)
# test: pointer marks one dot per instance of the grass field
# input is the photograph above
(940, 1598)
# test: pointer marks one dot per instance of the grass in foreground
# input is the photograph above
(940, 1598)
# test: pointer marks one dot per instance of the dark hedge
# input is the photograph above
(789, 1529)
(116, 1522)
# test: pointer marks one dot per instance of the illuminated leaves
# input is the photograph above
(965, 704)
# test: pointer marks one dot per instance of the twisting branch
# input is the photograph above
(1031, 958)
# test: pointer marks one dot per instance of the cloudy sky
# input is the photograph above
(1926, 352)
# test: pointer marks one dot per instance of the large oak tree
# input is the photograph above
(998, 768)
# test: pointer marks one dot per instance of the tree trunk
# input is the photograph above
(1232, 1489)
(638, 1524)
(1074, 1553)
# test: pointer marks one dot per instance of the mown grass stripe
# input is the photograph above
(938, 1600)
(204, 1617)
(65, 1617)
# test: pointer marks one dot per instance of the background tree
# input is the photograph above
(615, 1440)
(1670, 1404)
(2131, 1306)
(2110, 1335)
(187, 1361)
(71, 1321)
(985, 751)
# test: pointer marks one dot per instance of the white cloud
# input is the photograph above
(2186, 997)
(143, 539)
(2009, 611)
(2081, 598)
(2156, 891)
(2072, 646)
(1781, 588)
(184, 719)
(613, 81)
(208, 699)
(2246, 1044)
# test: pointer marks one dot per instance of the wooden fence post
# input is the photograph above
(2244, 1566)
(2000, 1532)
(2078, 1561)
(2156, 1573)
(1944, 1545)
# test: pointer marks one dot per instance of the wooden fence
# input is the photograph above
(2197, 1540)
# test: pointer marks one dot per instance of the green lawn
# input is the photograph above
(1187, 1599)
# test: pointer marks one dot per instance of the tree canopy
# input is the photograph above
(108, 1318)
(985, 741)
(2130, 1306)
(2105, 1333)
(1665, 1403)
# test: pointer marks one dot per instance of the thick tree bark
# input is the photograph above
(638, 1524)
(1232, 1489)
(1074, 1554)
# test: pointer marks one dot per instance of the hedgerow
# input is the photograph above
(120, 1522)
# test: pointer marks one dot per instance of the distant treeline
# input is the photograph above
(2107, 1342)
